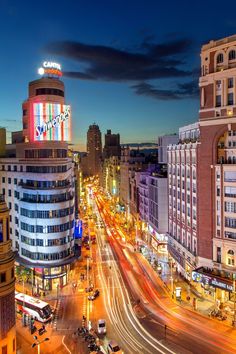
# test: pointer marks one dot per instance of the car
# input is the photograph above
(102, 329)
(89, 288)
(94, 295)
(113, 348)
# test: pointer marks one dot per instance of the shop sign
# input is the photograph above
(154, 243)
(211, 281)
(54, 276)
(219, 284)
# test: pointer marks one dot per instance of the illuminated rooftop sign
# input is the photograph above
(51, 121)
(50, 68)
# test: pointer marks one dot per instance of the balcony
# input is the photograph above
(32, 187)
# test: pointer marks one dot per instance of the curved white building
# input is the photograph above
(38, 184)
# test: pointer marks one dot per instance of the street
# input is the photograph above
(139, 313)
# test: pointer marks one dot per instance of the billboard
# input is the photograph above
(51, 121)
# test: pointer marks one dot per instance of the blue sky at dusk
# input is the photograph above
(129, 66)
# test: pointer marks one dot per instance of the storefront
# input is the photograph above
(178, 259)
(158, 241)
(216, 286)
(51, 278)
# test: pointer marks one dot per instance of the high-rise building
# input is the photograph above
(182, 200)
(217, 160)
(163, 142)
(112, 145)
(7, 284)
(202, 177)
(94, 149)
(130, 160)
(3, 136)
(110, 176)
(39, 188)
(153, 206)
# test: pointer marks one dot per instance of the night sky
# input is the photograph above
(130, 66)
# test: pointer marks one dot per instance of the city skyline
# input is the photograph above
(141, 73)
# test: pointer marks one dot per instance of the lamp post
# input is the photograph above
(171, 279)
(234, 288)
(38, 343)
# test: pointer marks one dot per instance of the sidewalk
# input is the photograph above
(191, 299)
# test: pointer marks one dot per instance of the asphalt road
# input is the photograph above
(139, 314)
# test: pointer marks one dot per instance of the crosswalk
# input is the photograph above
(56, 314)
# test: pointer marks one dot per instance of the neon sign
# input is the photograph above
(50, 68)
(51, 121)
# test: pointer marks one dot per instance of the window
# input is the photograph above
(218, 255)
(232, 55)
(230, 176)
(230, 192)
(230, 98)
(3, 179)
(15, 168)
(218, 100)
(49, 91)
(220, 58)
(4, 349)
(9, 192)
(230, 82)
(15, 180)
(2, 277)
(9, 180)
(230, 257)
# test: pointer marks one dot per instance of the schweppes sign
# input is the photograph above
(51, 121)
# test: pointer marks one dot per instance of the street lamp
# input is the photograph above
(171, 278)
(38, 343)
(234, 290)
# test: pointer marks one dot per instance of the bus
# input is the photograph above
(38, 309)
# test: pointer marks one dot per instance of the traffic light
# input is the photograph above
(32, 326)
(33, 329)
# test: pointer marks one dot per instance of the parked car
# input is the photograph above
(102, 329)
(94, 295)
(113, 348)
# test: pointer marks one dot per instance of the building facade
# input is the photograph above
(7, 284)
(112, 145)
(39, 187)
(94, 150)
(153, 207)
(163, 142)
(202, 177)
(3, 136)
(110, 176)
(183, 194)
(217, 166)
(131, 160)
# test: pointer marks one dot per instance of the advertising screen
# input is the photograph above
(51, 121)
